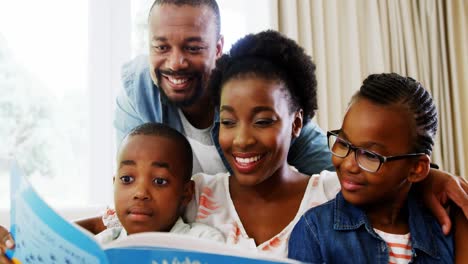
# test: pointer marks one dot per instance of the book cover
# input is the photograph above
(43, 236)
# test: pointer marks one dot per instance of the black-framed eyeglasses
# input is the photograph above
(366, 159)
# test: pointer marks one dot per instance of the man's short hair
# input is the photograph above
(195, 3)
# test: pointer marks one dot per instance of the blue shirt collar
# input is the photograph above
(348, 217)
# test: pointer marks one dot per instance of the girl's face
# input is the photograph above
(256, 128)
(388, 131)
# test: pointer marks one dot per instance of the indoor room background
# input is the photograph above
(60, 73)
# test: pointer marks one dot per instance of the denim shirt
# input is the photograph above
(339, 232)
(140, 101)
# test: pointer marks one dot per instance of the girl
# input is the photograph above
(381, 150)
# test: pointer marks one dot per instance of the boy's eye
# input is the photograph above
(160, 181)
(126, 179)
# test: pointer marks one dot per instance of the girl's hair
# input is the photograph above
(391, 88)
(271, 56)
(162, 130)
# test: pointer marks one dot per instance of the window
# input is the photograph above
(44, 108)
(57, 85)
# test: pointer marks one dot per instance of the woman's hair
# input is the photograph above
(391, 88)
(271, 56)
(162, 130)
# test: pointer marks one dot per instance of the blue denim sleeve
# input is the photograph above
(303, 243)
(135, 99)
(309, 152)
(125, 117)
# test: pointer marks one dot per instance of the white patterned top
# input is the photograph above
(213, 206)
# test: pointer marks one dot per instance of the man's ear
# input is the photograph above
(189, 190)
(219, 46)
(113, 179)
(420, 169)
(297, 124)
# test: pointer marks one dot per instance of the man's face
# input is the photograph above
(184, 46)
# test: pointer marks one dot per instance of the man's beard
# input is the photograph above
(197, 92)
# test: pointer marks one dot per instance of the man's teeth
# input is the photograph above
(177, 81)
(248, 160)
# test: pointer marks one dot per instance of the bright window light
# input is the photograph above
(44, 106)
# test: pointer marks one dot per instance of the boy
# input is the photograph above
(152, 185)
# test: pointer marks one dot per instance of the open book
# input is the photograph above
(43, 236)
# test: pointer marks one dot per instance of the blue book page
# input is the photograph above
(43, 236)
(170, 248)
(176, 256)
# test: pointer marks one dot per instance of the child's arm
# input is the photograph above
(303, 243)
(461, 234)
(93, 225)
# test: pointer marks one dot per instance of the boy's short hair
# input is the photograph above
(162, 130)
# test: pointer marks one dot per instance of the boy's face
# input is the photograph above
(149, 188)
(386, 130)
(256, 128)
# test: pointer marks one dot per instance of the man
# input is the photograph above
(171, 86)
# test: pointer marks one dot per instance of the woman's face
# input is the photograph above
(256, 128)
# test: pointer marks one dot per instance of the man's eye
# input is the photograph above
(160, 181)
(194, 49)
(126, 179)
(160, 48)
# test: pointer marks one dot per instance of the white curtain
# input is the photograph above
(424, 39)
